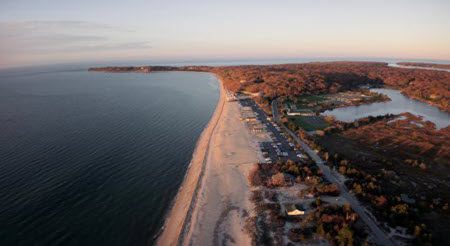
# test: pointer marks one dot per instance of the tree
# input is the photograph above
(342, 170)
(357, 188)
(320, 230)
(401, 209)
(371, 186)
(380, 200)
(255, 177)
(291, 167)
(318, 201)
(345, 236)
(347, 208)
(417, 231)
(278, 179)
(292, 126)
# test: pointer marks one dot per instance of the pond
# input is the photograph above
(398, 104)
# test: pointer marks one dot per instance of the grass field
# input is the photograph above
(305, 101)
(309, 123)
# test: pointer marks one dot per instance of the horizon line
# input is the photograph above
(221, 61)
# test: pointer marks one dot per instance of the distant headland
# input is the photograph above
(290, 80)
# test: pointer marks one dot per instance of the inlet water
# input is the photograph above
(398, 104)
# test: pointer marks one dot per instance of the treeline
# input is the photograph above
(315, 78)
(149, 69)
(143, 69)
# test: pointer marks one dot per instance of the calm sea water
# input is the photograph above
(417, 67)
(398, 104)
(95, 158)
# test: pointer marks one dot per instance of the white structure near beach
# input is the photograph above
(292, 110)
(230, 96)
(294, 210)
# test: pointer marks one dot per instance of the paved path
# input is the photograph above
(378, 234)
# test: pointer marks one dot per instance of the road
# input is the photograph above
(279, 139)
(275, 115)
(378, 234)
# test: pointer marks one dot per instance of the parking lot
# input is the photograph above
(279, 148)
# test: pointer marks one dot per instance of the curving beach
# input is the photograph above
(213, 202)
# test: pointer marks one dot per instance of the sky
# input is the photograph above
(37, 32)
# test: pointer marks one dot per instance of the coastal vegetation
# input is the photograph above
(398, 166)
(291, 80)
(322, 217)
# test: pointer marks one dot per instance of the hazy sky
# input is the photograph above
(53, 31)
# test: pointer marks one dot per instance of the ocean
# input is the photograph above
(95, 158)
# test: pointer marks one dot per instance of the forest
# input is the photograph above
(291, 80)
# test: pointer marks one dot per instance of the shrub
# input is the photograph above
(254, 176)
(278, 179)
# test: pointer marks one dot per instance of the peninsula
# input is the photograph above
(270, 168)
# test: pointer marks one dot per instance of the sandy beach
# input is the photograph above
(213, 203)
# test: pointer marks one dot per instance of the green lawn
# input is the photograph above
(304, 100)
(312, 97)
(309, 123)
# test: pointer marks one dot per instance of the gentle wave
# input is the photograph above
(94, 158)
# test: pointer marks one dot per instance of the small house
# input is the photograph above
(294, 210)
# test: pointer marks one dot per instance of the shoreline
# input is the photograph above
(173, 229)
(222, 205)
